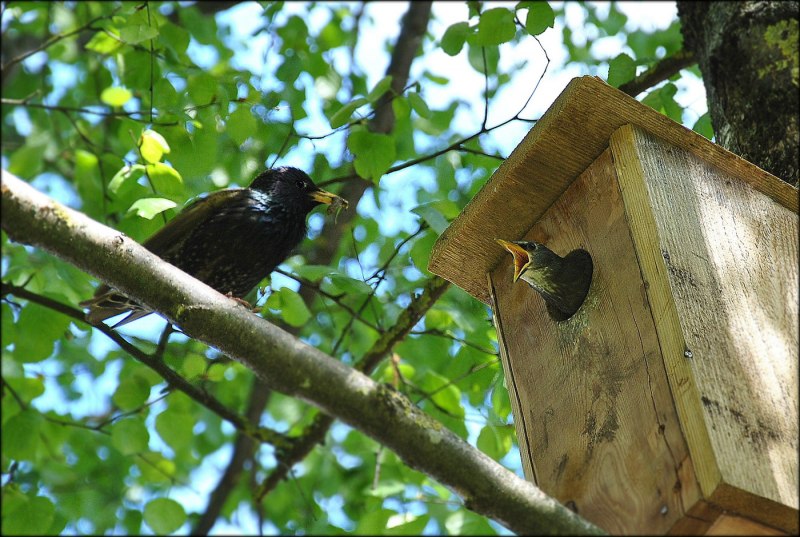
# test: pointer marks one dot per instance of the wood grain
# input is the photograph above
(567, 139)
(721, 262)
(591, 397)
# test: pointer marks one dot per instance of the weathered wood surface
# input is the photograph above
(594, 413)
(721, 262)
(569, 137)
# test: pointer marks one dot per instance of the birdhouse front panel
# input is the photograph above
(597, 425)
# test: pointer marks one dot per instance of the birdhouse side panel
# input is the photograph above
(730, 258)
(596, 414)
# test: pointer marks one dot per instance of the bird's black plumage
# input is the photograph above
(229, 239)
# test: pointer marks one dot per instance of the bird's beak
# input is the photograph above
(521, 258)
(329, 198)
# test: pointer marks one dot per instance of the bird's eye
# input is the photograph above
(301, 184)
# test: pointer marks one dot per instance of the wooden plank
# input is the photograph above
(602, 429)
(730, 258)
(728, 524)
(520, 425)
(570, 135)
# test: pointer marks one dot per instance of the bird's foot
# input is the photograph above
(243, 302)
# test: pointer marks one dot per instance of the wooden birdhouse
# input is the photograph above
(668, 403)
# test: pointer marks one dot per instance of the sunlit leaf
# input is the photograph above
(164, 516)
(153, 146)
(116, 96)
(149, 207)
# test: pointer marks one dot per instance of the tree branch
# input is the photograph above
(662, 70)
(283, 362)
(249, 428)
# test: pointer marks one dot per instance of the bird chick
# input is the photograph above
(563, 282)
(230, 239)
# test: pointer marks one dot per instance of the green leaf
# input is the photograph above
(26, 162)
(125, 173)
(540, 17)
(193, 366)
(703, 126)
(291, 305)
(405, 524)
(166, 179)
(136, 33)
(380, 88)
(350, 285)
(21, 435)
(312, 272)
(373, 522)
(164, 516)
(116, 96)
(174, 426)
(343, 114)
(131, 393)
(216, 372)
(149, 207)
(48, 327)
(621, 69)
(495, 27)
(103, 43)
(663, 100)
(155, 467)
(152, 146)
(501, 405)
(386, 489)
(489, 443)
(446, 394)
(26, 388)
(432, 216)
(374, 153)
(130, 436)
(241, 125)
(33, 517)
(454, 38)
(421, 250)
(419, 105)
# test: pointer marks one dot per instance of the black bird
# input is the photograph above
(229, 239)
(563, 282)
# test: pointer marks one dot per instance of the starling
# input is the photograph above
(563, 282)
(229, 239)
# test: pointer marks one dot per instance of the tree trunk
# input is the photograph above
(747, 52)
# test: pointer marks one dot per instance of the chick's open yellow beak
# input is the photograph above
(329, 198)
(521, 259)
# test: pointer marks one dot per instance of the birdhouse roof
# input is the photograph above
(573, 132)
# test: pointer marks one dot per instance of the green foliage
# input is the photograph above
(164, 516)
(621, 69)
(146, 106)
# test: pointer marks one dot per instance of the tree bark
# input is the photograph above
(747, 52)
(285, 363)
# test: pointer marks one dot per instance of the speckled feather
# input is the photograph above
(230, 239)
